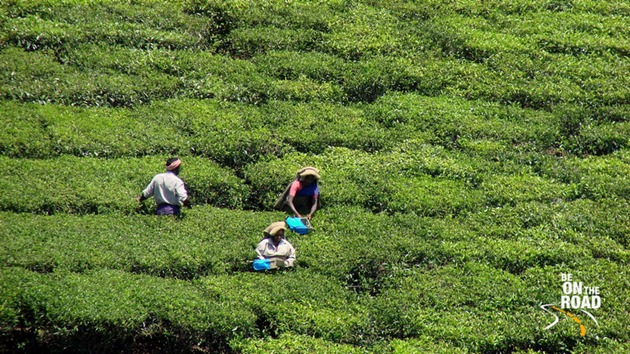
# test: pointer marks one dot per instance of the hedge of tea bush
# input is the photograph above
(206, 240)
(467, 306)
(595, 177)
(110, 310)
(417, 182)
(534, 56)
(293, 344)
(69, 184)
(444, 121)
(470, 153)
(41, 24)
(198, 127)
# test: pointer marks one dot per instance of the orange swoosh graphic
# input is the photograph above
(574, 318)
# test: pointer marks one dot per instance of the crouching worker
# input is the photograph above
(274, 251)
(168, 190)
(301, 197)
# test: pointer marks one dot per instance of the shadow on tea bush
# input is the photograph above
(248, 42)
(70, 308)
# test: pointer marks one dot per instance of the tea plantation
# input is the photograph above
(473, 154)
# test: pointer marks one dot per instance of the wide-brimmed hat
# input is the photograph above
(309, 171)
(273, 229)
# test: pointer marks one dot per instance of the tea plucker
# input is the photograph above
(167, 189)
(275, 247)
(301, 197)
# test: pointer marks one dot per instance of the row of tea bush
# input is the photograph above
(470, 307)
(215, 241)
(235, 135)
(356, 51)
(418, 180)
(97, 75)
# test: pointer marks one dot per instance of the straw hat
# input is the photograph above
(309, 171)
(274, 228)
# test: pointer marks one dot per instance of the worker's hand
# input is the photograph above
(139, 199)
(309, 216)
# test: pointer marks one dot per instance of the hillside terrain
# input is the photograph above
(473, 155)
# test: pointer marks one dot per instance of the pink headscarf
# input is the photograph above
(175, 164)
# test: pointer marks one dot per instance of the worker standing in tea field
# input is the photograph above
(167, 189)
(274, 248)
(301, 196)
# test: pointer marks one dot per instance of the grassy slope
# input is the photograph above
(471, 153)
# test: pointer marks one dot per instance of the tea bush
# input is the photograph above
(290, 65)
(89, 185)
(293, 344)
(475, 39)
(501, 190)
(313, 127)
(205, 241)
(596, 177)
(462, 322)
(231, 134)
(299, 302)
(108, 133)
(364, 31)
(423, 344)
(230, 15)
(39, 78)
(448, 120)
(119, 310)
(252, 41)
(470, 153)
(24, 133)
(583, 33)
(600, 139)
(145, 24)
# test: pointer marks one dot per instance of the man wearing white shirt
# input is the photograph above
(168, 190)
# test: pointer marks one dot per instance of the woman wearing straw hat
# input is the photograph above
(301, 197)
(275, 247)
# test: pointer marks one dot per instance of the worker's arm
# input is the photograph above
(313, 208)
(182, 193)
(295, 185)
(289, 262)
(290, 204)
(147, 191)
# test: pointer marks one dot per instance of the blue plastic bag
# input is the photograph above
(262, 264)
(296, 224)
